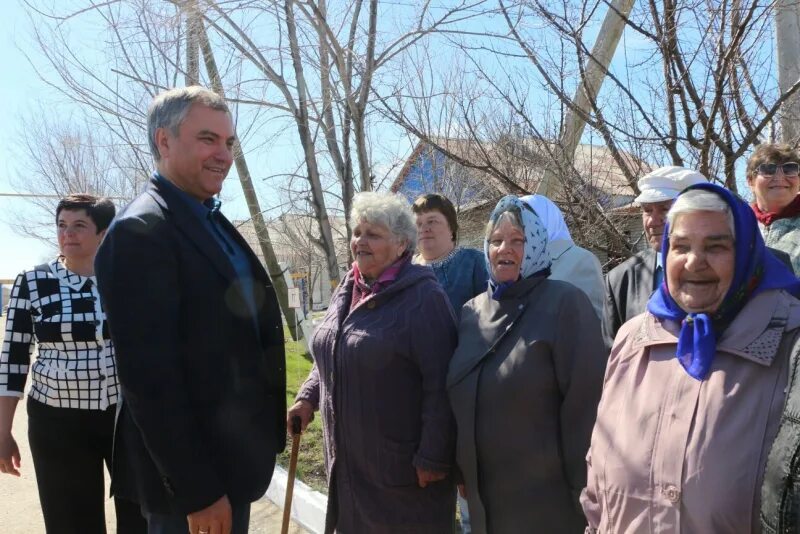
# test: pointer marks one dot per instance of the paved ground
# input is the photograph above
(19, 500)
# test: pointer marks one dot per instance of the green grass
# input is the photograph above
(310, 466)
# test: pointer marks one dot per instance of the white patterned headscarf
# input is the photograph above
(536, 257)
(551, 216)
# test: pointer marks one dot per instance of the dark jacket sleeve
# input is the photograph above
(611, 318)
(433, 341)
(580, 361)
(138, 278)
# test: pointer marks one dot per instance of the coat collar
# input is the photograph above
(650, 257)
(754, 334)
(521, 288)
(409, 275)
(66, 277)
(187, 222)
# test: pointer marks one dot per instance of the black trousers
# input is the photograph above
(69, 447)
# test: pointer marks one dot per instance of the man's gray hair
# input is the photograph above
(387, 209)
(700, 200)
(168, 109)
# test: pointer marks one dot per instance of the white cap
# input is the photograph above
(666, 183)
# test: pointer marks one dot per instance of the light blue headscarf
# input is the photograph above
(551, 216)
(536, 258)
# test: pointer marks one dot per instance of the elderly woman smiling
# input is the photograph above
(380, 364)
(695, 386)
(524, 384)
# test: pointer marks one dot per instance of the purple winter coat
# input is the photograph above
(379, 383)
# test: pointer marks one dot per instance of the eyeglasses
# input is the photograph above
(790, 168)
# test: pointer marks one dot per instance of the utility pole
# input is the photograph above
(787, 42)
(192, 44)
(596, 68)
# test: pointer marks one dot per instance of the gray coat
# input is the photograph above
(784, 234)
(580, 268)
(379, 383)
(524, 384)
(628, 288)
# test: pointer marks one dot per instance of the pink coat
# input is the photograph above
(671, 454)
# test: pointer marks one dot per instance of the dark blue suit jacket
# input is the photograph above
(203, 412)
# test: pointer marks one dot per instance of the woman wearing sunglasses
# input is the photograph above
(772, 174)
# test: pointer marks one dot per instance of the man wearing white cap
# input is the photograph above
(630, 284)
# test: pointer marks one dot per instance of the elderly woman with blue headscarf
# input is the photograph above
(524, 384)
(694, 388)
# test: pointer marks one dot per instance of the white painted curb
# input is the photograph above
(308, 506)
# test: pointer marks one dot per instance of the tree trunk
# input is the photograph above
(273, 267)
(602, 53)
(309, 151)
(192, 46)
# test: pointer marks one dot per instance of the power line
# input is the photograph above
(27, 195)
(32, 195)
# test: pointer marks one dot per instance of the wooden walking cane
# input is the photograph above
(287, 504)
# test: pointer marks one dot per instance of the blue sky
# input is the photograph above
(20, 90)
(271, 146)
(18, 87)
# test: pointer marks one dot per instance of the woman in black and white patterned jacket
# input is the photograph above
(55, 313)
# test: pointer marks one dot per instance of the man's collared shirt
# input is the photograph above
(208, 212)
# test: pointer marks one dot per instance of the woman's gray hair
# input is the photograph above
(169, 109)
(389, 210)
(700, 200)
(511, 216)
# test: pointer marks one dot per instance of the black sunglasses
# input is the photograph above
(790, 168)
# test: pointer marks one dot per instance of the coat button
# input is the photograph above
(371, 304)
(168, 486)
(672, 493)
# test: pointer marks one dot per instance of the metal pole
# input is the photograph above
(787, 42)
(37, 195)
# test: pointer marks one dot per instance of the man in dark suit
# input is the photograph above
(630, 284)
(197, 333)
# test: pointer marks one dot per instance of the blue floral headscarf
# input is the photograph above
(755, 270)
(536, 258)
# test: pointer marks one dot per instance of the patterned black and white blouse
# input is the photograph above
(58, 314)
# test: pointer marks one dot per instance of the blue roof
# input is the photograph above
(426, 175)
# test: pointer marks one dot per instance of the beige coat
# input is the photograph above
(671, 454)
